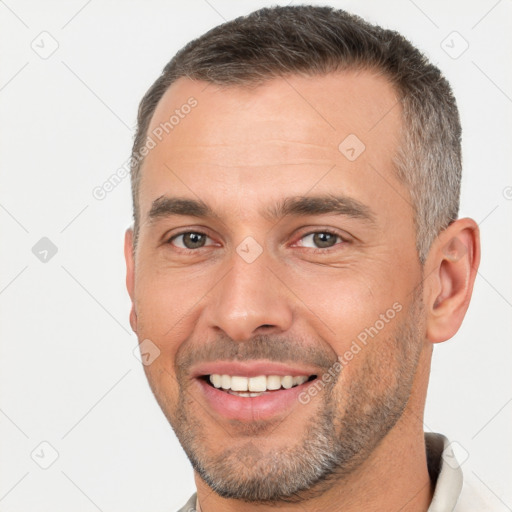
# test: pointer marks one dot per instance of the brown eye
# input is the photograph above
(190, 240)
(320, 240)
(323, 240)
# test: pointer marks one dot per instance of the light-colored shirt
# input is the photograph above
(451, 493)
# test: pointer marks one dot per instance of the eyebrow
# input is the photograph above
(165, 206)
(321, 205)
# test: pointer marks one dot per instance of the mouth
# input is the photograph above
(252, 390)
(250, 387)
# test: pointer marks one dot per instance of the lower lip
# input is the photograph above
(266, 406)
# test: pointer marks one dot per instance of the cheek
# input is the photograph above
(167, 305)
(345, 305)
(358, 315)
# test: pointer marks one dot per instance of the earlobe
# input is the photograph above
(451, 270)
(130, 274)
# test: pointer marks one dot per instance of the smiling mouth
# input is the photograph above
(255, 386)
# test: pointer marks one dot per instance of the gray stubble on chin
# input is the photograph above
(248, 472)
(332, 444)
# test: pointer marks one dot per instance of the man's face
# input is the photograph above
(270, 253)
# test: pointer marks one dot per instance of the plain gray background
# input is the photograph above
(69, 378)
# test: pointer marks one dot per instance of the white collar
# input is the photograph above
(445, 471)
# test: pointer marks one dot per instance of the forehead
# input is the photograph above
(331, 105)
(282, 134)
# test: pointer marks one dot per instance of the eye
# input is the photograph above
(320, 240)
(190, 240)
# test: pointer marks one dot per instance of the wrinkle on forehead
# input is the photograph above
(259, 153)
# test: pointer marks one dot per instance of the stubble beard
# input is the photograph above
(338, 439)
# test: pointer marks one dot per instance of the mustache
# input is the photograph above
(272, 347)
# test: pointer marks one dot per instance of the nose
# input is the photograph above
(249, 300)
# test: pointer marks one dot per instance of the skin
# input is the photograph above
(187, 301)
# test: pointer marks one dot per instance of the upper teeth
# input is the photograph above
(259, 383)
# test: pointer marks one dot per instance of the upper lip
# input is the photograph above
(251, 369)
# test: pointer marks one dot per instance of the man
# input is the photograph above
(295, 255)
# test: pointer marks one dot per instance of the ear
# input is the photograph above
(130, 274)
(451, 269)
